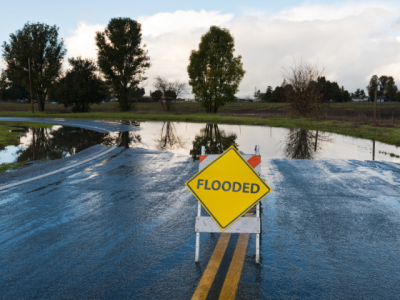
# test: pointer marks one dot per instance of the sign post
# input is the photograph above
(228, 186)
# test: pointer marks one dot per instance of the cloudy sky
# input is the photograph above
(352, 40)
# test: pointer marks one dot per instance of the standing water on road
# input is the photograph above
(187, 139)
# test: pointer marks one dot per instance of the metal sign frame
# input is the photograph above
(242, 225)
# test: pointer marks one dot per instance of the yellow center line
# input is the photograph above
(213, 265)
(231, 283)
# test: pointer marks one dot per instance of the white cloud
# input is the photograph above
(181, 21)
(326, 13)
(82, 42)
(351, 41)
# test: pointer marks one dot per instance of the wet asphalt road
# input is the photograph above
(122, 226)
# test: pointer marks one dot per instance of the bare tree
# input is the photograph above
(304, 95)
(169, 139)
(171, 90)
(303, 143)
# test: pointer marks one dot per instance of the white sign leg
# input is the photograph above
(257, 149)
(258, 238)
(196, 259)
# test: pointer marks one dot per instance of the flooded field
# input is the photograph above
(187, 138)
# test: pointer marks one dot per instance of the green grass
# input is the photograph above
(386, 108)
(10, 166)
(389, 135)
(8, 138)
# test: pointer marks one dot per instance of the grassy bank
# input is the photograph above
(8, 137)
(385, 110)
(384, 132)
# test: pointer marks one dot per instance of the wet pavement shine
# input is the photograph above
(121, 226)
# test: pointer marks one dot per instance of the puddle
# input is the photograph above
(60, 141)
(187, 138)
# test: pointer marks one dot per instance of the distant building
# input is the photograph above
(359, 99)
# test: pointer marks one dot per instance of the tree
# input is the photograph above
(38, 42)
(156, 95)
(357, 93)
(398, 96)
(278, 95)
(305, 95)
(331, 91)
(170, 91)
(169, 139)
(80, 87)
(9, 88)
(121, 58)
(382, 83)
(216, 141)
(346, 96)
(303, 143)
(362, 93)
(372, 87)
(170, 95)
(268, 94)
(391, 88)
(4, 83)
(257, 94)
(214, 72)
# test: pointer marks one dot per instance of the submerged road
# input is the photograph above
(122, 226)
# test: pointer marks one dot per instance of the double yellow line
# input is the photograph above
(231, 282)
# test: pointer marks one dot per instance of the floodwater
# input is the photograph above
(187, 139)
(122, 226)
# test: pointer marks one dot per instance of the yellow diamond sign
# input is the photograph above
(228, 187)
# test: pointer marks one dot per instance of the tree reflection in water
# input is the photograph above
(303, 143)
(169, 139)
(216, 141)
(127, 139)
(50, 143)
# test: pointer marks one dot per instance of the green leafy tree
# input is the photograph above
(9, 88)
(382, 83)
(170, 95)
(80, 87)
(372, 87)
(278, 95)
(346, 96)
(38, 42)
(268, 94)
(4, 84)
(391, 89)
(398, 97)
(331, 91)
(214, 72)
(156, 95)
(122, 59)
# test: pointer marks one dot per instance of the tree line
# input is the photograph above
(328, 91)
(383, 86)
(34, 57)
